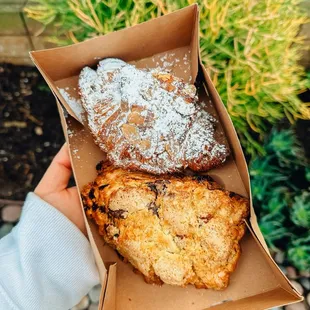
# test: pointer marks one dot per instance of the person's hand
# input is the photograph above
(53, 189)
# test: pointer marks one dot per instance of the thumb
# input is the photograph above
(57, 175)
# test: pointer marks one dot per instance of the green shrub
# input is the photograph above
(283, 204)
(300, 213)
(250, 49)
(299, 253)
(273, 229)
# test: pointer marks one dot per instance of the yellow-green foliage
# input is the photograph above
(250, 48)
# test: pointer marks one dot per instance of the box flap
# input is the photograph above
(276, 297)
(240, 161)
(65, 122)
(108, 300)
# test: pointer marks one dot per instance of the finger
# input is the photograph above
(57, 175)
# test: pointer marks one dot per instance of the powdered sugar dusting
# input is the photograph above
(149, 120)
(70, 132)
(75, 153)
(167, 62)
(75, 104)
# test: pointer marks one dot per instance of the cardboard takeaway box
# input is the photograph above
(170, 41)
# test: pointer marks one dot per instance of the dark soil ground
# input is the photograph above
(31, 134)
(30, 130)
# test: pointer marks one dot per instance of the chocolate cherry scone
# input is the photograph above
(148, 120)
(177, 230)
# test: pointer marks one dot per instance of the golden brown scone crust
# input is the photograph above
(177, 230)
(149, 121)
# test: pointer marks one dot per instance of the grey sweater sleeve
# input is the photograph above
(45, 262)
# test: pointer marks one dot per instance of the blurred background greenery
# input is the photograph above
(251, 50)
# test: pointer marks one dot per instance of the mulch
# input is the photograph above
(30, 130)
